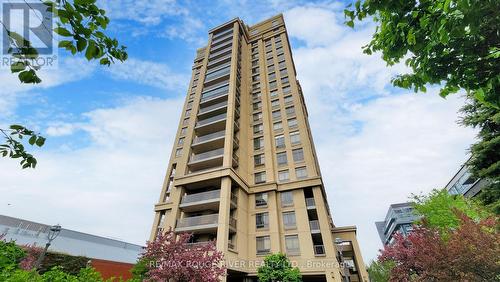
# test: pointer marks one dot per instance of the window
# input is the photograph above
(292, 244)
(290, 111)
(255, 78)
(257, 105)
(261, 199)
(286, 89)
(257, 116)
(288, 99)
(281, 158)
(180, 142)
(275, 103)
(298, 155)
(281, 65)
(277, 114)
(275, 23)
(263, 245)
(262, 220)
(254, 50)
(270, 68)
(258, 159)
(280, 141)
(277, 125)
(283, 72)
(256, 95)
(295, 138)
(283, 175)
(189, 105)
(188, 112)
(301, 172)
(273, 84)
(281, 58)
(286, 198)
(178, 152)
(272, 76)
(259, 128)
(260, 177)
(274, 93)
(185, 121)
(279, 50)
(255, 57)
(270, 61)
(183, 130)
(258, 143)
(292, 122)
(289, 219)
(284, 80)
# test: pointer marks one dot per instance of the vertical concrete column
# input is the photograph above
(274, 222)
(324, 224)
(175, 197)
(224, 214)
(155, 224)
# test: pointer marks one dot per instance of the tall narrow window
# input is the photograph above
(280, 141)
(260, 177)
(295, 138)
(263, 245)
(286, 198)
(301, 172)
(298, 155)
(261, 199)
(283, 175)
(289, 220)
(281, 157)
(292, 244)
(262, 220)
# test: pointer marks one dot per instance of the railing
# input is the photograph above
(203, 138)
(220, 92)
(314, 225)
(218, 73)
(206, 155)
(222, 33)
(234, 198)
(199, 244)
(193, 198)
(310, 202)
(198, 220)
(319, 250)
(215, 54)
(230, 246)
(212, 119)
(215, 106)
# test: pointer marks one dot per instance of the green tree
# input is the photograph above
(438, 210)
(485, 159)
(82, 25)
(380, 271)
(453, 43)
(277, 267)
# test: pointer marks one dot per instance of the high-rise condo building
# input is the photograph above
(243, 170)
(399, 218)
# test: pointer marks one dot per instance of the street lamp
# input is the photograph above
(53, 233)
(338, 243)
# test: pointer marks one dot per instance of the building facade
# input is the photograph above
(243, 170)
(463, 183)
(399, 218)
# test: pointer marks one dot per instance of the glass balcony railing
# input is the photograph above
(314, 225)
(212, 119)
(310, 202)
(218, 73)
(198, 220)
(214, 93)
(193, 198)
(222, 33)
(319, 250)
(214, 106)
(215, 54)
(203, 138)
(207, 155)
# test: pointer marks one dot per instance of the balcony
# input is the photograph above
(319, 250)
(217, 74)
(201, 201)
(310, 204)
(210, 125)
(213, 109)
(208, 141)
(198, 224)
(314, 225)
(202, 224)
(206, 160)
(213, 93)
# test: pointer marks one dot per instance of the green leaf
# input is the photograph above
(91, 50)
(40, 141)
(62, 31)
(65, 43)
(410, 38)
(81, 44)
(32, 140)
(17, 67)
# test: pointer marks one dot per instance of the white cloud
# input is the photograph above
(107, 188)
(188, 29)
(148, 73)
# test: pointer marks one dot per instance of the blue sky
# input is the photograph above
(110, 130)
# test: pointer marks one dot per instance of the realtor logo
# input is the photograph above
(32, 21)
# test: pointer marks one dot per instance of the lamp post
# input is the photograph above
(53, 233)
(338, 243)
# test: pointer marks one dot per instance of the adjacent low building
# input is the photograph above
(109, 256)
(399, 218)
